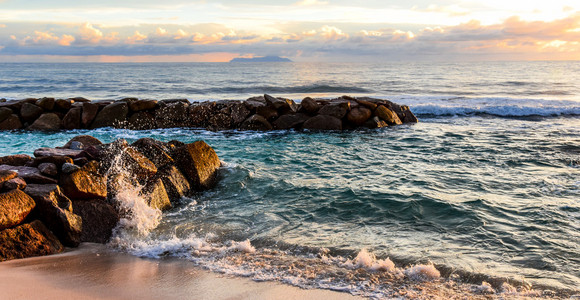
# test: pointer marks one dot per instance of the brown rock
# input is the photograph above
(323, 122)
(30, 112)
(175, 183)
(48, 169)
(156, 195)
(47, 122)
(15, 205)
(80, 99)
(14, 184)
(142, 121)
(99, 219)
(46, 103)
(199, 114)
(156, 151)
(29, 174)
(11, 123)
(310, 105)
(220, 121)
(256, 122)
(280, 104)
(86, 183)
(388, 115)
(199, 162)
(6, 175)
(15, 160)
(137, 164)
(252, 104)
(28, 240)
(358, 116)
(90, 111)
(238, 113)
(42, 152)
(140, 105)
(367, 104)
(112, 115)
(375, 122)
(172, 115)
(267, 112)
(72, 119)
(290, 121)
(337, 110)
(86, 140)
(5, 112)
(63, 104)
(58, 161)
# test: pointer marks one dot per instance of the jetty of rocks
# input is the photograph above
(256, 113)
(68, 195)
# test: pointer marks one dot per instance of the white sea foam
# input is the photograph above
(422, 273)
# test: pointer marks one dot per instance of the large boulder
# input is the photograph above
(15, 160)
(268, 112)
(90, 111)
(238, 112)
(140, 105)
(112, 115)
(175, 183)
(16, 183)
(141, 121)
(99, 220)
(359, 115)
(63, 104)
(323, 122)
(15, 205)
(48, 169)
(42, 152)
(199, 162)
(156, 151)
(199, 114)
(55, 210)
(72, 119)
(85, 183)
(30, 112)
(172, 115)
(156, 195)
(46, 103)
(375, 122)
(28, 240)
(137, 164)
(85, 140)
(309, 105)
(57, 160)
(11, 123)
(290, 121)
(29, 174)
(337, 110)
(388, 115)
(256, 122)
(6, 175)
(47, 122)
(5, 112)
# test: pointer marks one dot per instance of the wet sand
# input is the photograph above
(94, 272)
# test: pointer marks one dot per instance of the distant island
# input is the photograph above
(261, 59)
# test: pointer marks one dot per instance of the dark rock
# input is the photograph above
(72, 119)
(174, 144)
(156, 195)
(90, 111)
(46, 103)
(15, 160)
(29, 174)
(220, 121)
(5, 112)
(256, 122)
(42, 152)
(86, 183)
(81, 161)
(252, 104)
(155, 151)
(140, 105)
(337, 110)
(172, 115)
(375, 122)
(48, 169)
(199, 114)
(239, 113)
(280, 104)
(323, 122)
(86, 140)
(30, 112)
(76, 146)
(368, 104)
(387, 115)
(359, 115)
(56, 160)
(408, 116)
(310, 105)
(112, 115)
(28, 240)
(137, 164)
(175, 183)
(55, 210)
(11, 123)
(99, 220)
(267, 112)
(68, 168)
(80, 99)
(63, 104)
(199, 162)
(15, 205)
(142, 121)
(47, 122)
(14, 184)
(6, 175)
(290, 121)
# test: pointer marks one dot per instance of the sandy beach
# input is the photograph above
(94, 272)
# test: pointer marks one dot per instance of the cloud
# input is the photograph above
(310, 3)
(2, 25)
(450, 10)
(90, 34)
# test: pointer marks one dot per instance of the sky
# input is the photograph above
(302, 30)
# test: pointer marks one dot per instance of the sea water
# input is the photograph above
(486, 185)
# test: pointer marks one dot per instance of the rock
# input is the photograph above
(29, 174)
(137, 164)
(15, 160)
(5, 112)
(199, 162)
(238, 113)
(55, 210)
(30, 112)
(408, 116)
(81, 161)
(63, 104)
(290, 121)
(140, 105)
(11, 123)
(155, 151)
(267, 112)
(112, 115)
(220, 121)
(6, 175)
(142, 121)
(256, 122)
(172, 115)
(86, 140)
(28, 240)
(47, 122)
(80, 99)
(388, 115)
(56, 160)
(48, 169)
(68, 168)
(14, 184)
(99, 219)
(175, 183)
(42, 152)
(310, 105)
(337, 110)
(156, 195)
(72, 119)
(90, 111)
(359, 115)
(252, 104)
(76, 146)
(199, 114)
(15, 205)
(280, 105)
(46, 103)
(86, 183)
(368, 104)
(375, 122)
(323, 122)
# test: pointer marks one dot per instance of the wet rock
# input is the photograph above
(42, 152)
(80, 99)
(112, 115)
(279, 104)
(5, 112)
(86, 183)
(375, 122)
(368, 104)
(138, 164)
(256, 122)
(337, 110)
(175, 183)
(55, 210)
(199, 114)
(28, 240)
(30, 112)
(72, 119)
(290, 121)
(310, 105)
(238, 113)
(48, 169)
(156, 151)
(323, 122)
(15, 160)
(46, 103)
(156, 195)
(15, 205)
(63, 104)
(140, 105)
(46, 122)
(254, 103)
(14, 184)
(85, 140)
(81, 161)
(11, 123)
(388, 115)
(6, 175)
(172, 115)
(199, 162)
(220, 121)
(359, 115)
(99, 219)
(90, 111)
(267, 112)
(68, 168)
(142, 121)
(58, 161)
(29, 174)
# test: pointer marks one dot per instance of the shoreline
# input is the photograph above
(94, 271)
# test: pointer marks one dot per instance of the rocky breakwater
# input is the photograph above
(256, 113)
(72, 194)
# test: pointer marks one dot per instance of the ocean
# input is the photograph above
(485, 187)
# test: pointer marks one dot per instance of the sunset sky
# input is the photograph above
(305, 30)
